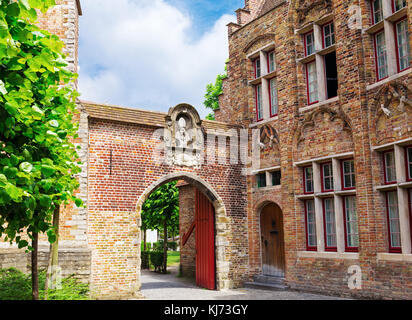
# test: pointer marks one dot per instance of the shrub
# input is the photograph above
(157, 258)
(172, 245)
(145, 260)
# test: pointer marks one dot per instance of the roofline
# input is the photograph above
(79, 8)
(120, 107)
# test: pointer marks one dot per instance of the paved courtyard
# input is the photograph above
(170, 287)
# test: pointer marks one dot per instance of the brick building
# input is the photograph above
(326, 85)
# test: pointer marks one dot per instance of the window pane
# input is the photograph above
(402, 36)
(348, 174)
(271, 61)
(311, 223)
(393, 216)
(409, 155)
(377, 10)
(308, 172)
(351, 220)
(257, 68)
(273, 97)
(276, 178)
(330, 226)
(261, 180)
(259, 106)
(399, 4)
(381, 58)
(312, 82)
(390, 169)
(331, 71)
(310, 43)
(329, 35)
(327, 176)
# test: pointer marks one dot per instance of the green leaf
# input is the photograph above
(47, 171)
(14, 192)
(25, 4)
(10, 172)
(3, 87)
(22, 244)
(3, 180)
(26, 167)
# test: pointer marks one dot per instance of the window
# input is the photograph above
(261, 180)
(308, 179)
(271, 61)
(312, 82)
(309, 43)
(276, 178)
(273, 97)
(327, 177)
(348, 174)
(258, 72)
(402, 45)
(398, 5)
(409, 164)
(410, 209)
(380, 56)
(328, 35)
(310, 220)
(259, 106)
(351, 224)
(389, 167)
(393, 222)
(377, 11)
(329, 224)
(331, 71)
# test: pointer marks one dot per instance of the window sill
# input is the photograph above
(376, 27)
(269, 188)
(270, 75)
(261, 122)
(316, 105)
(389, 79)
(387, 187)
(307, 59)
(329, 255)
(398, 15)
(394, 257)
(327, 50)
(308, 196)
(348, 192)
(255, 81)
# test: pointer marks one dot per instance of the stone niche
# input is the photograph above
(184, 137)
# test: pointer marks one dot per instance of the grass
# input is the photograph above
(15, 285)
(173, 258)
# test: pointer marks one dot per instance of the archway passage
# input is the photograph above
(205, 242)
(272, 241)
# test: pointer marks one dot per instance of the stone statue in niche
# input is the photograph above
(184, 137)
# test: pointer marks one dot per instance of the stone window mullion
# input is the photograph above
(340, 228)
(318, 208)
(391, 54)
(320, 63)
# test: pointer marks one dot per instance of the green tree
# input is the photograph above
(213, 91)
(38, 160)
(161, 211)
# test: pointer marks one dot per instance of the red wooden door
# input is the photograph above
(205, 242)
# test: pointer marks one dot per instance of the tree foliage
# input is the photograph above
(38, 160)
(213, 91)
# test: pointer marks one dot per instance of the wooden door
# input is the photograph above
(205, 242)
(272, 241)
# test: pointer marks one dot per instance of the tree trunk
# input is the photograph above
(144, 240)
(34, 267)
(52, 270)
(165, 246)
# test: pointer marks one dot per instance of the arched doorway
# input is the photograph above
(272, 241)
(208, 207)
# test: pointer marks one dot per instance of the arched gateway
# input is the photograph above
(132, 152)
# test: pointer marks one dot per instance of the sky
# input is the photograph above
(152, 54)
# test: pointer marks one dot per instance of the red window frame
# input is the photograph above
(375, 46)
(391, 249)
(328, 248)
(407, 161)
(255, 67)
(384, 167)
(343, 175)
(322, 176)
(410, 209)
(394, 7)
(323, 34)
(304, 180)
(257, 105)
(270, 99)
(274, 62)
(307, 83)
(373, 12)
(305, 42)
(347, 248)
(308, 247)
(398, 62)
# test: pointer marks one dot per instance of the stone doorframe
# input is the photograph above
(222, 226)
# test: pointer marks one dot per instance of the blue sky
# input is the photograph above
(152, 54)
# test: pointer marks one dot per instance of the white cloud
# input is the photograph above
(142, 54)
